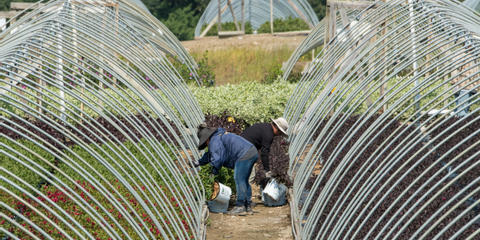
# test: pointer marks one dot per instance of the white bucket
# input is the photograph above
(220, 198)
(223, 194)
(272, 189)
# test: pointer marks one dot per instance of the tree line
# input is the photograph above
(180, 16)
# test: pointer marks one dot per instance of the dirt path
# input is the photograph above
(266, 223)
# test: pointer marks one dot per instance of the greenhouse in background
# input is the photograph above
(253, 12)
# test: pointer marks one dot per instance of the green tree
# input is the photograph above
(5, 4)
(163, 9)
(182, 22)
(319, 7)
(180, 16)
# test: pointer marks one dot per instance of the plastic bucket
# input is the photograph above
(272, 189)
(280, 201)
(220, 198)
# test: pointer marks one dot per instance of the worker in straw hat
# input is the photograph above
(261, 135)
(232, 151)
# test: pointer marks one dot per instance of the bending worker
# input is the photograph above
(261, 135)
(232, 151)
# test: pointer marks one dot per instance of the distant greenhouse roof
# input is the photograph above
(257, 12)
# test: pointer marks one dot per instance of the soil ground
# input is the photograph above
(266, 223)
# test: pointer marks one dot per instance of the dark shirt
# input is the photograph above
(260, 135)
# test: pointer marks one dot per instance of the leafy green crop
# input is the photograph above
(225, 176)
(284, 25)
(94, 161)
(253, 102)
(228, 26)
(250, 101)
(35, 156)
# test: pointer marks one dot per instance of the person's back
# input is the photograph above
(258, 134)
(261, 136)
(235, 146)
(228, 146)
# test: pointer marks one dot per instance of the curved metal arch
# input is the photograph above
(391, 117)
(314, 40)
(473, 4)
(158, 33)
(257, 12)
(86, 96)
(137, 15)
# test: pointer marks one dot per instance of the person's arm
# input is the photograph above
(205, 159)
(217, 149)
(265, 151)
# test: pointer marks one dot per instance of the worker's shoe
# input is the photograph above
(237, 211)
(249, 209)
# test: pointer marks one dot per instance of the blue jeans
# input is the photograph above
(241, 173)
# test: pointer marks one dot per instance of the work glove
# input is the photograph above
(194, 164)
(268, 174)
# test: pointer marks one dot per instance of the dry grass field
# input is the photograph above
(244, 58)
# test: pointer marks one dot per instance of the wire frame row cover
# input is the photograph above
(385, 129)
(96, 126)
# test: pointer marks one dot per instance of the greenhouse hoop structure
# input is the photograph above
(339, 15)
(138, 17)
(314, 40)
(96, 126)
(256, 12)
(390, 116)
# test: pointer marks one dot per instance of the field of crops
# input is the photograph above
(100, 108)
(50, 154)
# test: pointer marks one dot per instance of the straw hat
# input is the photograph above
(281, 124)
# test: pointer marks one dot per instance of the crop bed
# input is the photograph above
(98, 130)
(279, 163)
(108, 213)
(117, 205)
(425, 175)
(96, 202)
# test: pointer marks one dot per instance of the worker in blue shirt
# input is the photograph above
(232, 151)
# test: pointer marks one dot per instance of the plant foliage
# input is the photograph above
(284, 25)
(250, 101)
(103, 191)
(228, 26)
(204, 71)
